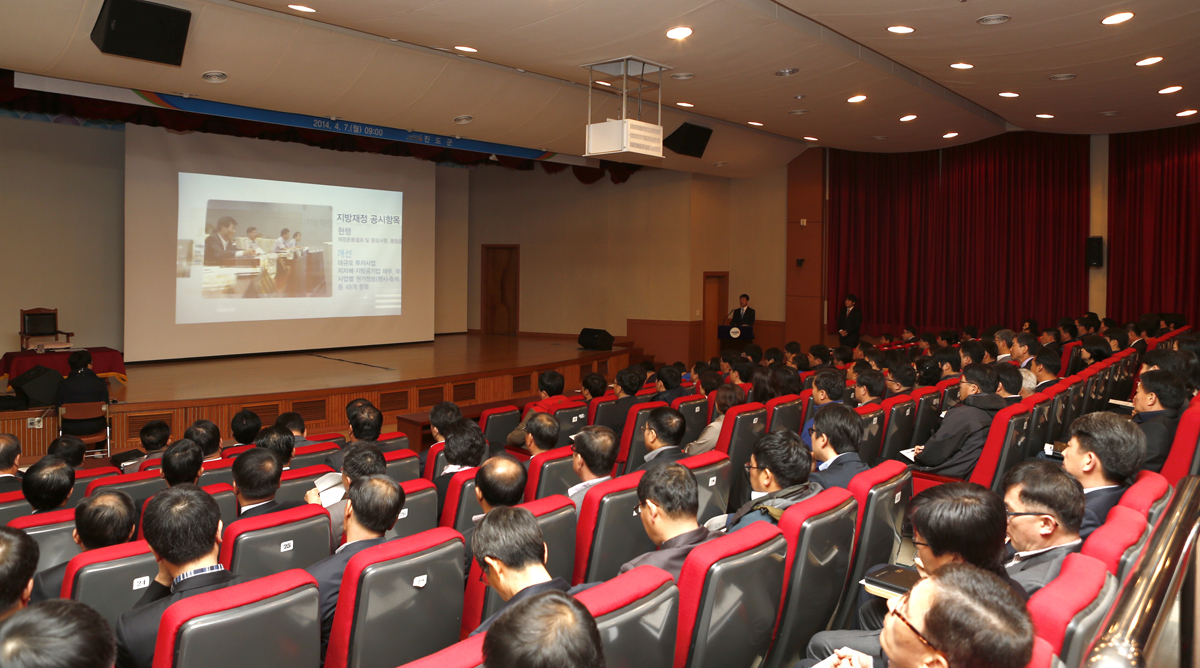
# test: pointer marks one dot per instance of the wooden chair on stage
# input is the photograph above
(40, 323)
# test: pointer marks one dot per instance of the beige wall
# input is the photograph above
(61, 230)
(758, 242)
(450, 251)
(1098, 276)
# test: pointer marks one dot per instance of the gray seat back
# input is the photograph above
(617, 534)
(227, 501)
(282, 630)
(1085, 626)
(928, 409)
(897, 436)
(714, 474)
(113, 586)
(11, 510)
(872, 441)
(637, 441)
(54, 542)
(1057, 414)
(878, 537)
(393, 444)
(642, 632)
(213, 475)
(611, 414)
(80, 488)
(293, 490)
(420, 509)
(499, 425)
(1012, 452)
(555, 476)
(466, 507)
(748, 425)
(141, 489)
(788, 416)
(267, 551)
(570, 421)
(695, 415)
(403, 465)
(312, 458)
(1038, 428)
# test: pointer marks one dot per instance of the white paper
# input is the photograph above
(911, 453)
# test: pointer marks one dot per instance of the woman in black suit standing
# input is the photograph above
(849, 321)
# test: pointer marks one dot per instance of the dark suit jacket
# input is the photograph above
(624, 404)
(672, 553)
(851, 322)
(740, 320)
(137, 630)
(10, 483)
(557, 584)
(442, 483)
(1037, 571)
(1099, 503)
(1013, 400)
(1045, 385)
(669, 455)
(48, 584)
(267, 508)
(328, 574)
(215, 253)
(1140, 346)
(671, 395)
(1159, 428)
(840, 471)
(79, 387)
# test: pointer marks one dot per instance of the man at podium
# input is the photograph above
(743, 316)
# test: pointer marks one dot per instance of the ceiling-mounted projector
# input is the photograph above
(633, 78)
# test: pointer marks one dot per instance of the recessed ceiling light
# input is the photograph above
(993, 19)
(1010, 94)
(910, 117)
(857, 98)
(603, 83)
(301, 8)
(961, 66)
(679, 32)
(1044, 115)
(682, 76)
(1170, 89)
(797, 97)
(464, 119)
(798, 112)
(811, 139)
(467, 49)
(950, 135)
(685, 104)
(1187, 112)
(879, 137)
(900, 30)
(1061, 77)
(1117, 18)
(1149, 61)
(755, 123)
(393, 39)
(214, 76)
(786, 72)
(1108, 113)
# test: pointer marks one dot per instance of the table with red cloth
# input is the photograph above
(106, 362)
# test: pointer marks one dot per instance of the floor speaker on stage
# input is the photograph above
(38, 386)
(595, 339)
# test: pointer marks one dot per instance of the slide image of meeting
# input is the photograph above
(247, 248)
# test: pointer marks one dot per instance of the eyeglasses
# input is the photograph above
(1011, 514)
(751, 468)
(920, 544)
(483, 573)
(902, 602)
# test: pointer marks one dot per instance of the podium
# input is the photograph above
(735, 338)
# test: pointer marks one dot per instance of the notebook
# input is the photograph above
(890, 582)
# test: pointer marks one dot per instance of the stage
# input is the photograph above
(464, 368)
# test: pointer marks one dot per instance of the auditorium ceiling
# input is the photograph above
(394, 63)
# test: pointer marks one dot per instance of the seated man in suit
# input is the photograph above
(183, 527)
(294, 423)
(466, 448)
(949, 361)
(549, 629)
(207, 435)
(366, 422)
(869, 388)
(1104, 454)
(592, 386)
(245, 426)
(550, 395)
(280, 441)
(182, 465)
(1160, 399)
(1009, 387)
(626, 386)
(1004, 339)
(596, 451)
(819, 357)
(954, 448)
(1046, 366)
(499, 483)
(10, 463)
(836, 435)
(668, 501)
(1144, 329)
(779, 468)
(742, 372)
(669, 385)
(372, 505)
(17, 570)
(154, 437)
(1045, 510)
(218, 246)
(1068, 331)
(900, 379)
(728, 396)
(70, 448)
(971, 352)
(541, 434)
(104, 519)
(663, 435)
(362, 459)
(48, 484)
(61, 633)
(753, 353)
(510, 549)
(81, 386)
(441, 417)
(256, 476)
(828, 388)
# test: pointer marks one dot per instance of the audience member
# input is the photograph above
(544, 631)
(57, 634)
(772, 357)
(1045, 510)
(1117, 338)
(669, 385)
(1049, 336)
(183, 464)
(1030, 326)
(1025, 348)
(928, 373)
(785, 381)
(990, 351)
(48, 484)
(256, 476)
(948, 361)
(828, 388)
(836, 434)
(743, 372)
(81, 386)
(728, 396)
(710, 381)
(843, 355)
(970, 352)
(244, 427)
(753, 352)
(595, 451)
(499, 482)
(154, 436)
(1009, 382)
(778, 471)
(792, 356)
(1004, 340)
(869, 388)
(626, 386)
(550, 393)
(1029, 383)
(183, 527)
(1142, 330)
(279, 440)
(362, 459)
(1104, 453)
(18, 564)
(668, 502)
(1094, 348)
(1159, 399)
(955, 447)
(820, 357)
(441, 416)
(70, 448)
(366, 423)
(541, 433)
(104, 519)
(466, 448)
(593, 386)
(1046, 366)
(10, 463)
(1068, 331)
(761, 388)
(207, 435)
(294, 422)
(901, 378)
(663, 435)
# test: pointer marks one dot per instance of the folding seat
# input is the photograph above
(392, 441)
(296, 482)
(1072, 359)
(550, 473)
(1060, 402)
(268, 544)
(647, 393)
(332, 437)
(1148, 495)
(217, 471)
(402, 465)
(637, 615)
(110, 579)
(1003, 449)
(1181, 460)
(929, 407)
(882, 494)
(948, 391)
(232, 453)
(785, 413)
(571, 416)
(147, 465)
(820, 536)
(712, 406)
(1093, 389)
(435, 460)
(605, 411)
(84, 477)
(556, 517)
(729, 596)
(460, 505)
(12, 506)
(694, 408)
(1039, 423)
(272, 621)
(1118, 541)
(806, 379)
(808, 405)
(52, 531)
(632, 453)
(714, 473)
(610, 531)
(312, 455)
(872, 417)
(899, 420)
(465, 654)
(1067, 612)
(399, 601)
(740, 430)
(138, 485)
(420, 511)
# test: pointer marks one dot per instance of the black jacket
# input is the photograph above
(48, 584)
(1099, 503)
(740, 320)
(672, 553)
(840, 472)
(669, 455)
(1037, 571)
(267, 508)
(82, 386)
(215, 253)
(1045, 385)
(557, 584)
(1159, 428)
(850, 322)
(671, 395)
(328, 574)
(10, 483)
(137, 630)
(955, 447)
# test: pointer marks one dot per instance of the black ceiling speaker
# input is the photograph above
(689, 139)
(142, 30)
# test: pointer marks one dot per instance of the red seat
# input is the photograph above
(465, 654)
(595, 404)
(1068, 611)
(694, 408)
(609, 532)
(391, 441)
(622, 607)
(1117, 542)
(331, 437)
(1148, 495)
(52, 531)
(632, 452)
(272, 621)
(420, 511)
(232, 453)
(138, 485)
(223, 494)
(1043, 654)
(435, 460)
(571, 416)
(150, 465)
(712, 405)
(790, 408)
(1181, 460)
(497, 423)
(882, 494)
(550, 473)
(1002, 451)
(84, 477)
(747, 388)
(714, 476)
(460, 504)
(110, 579)
(948, 392)
(273, 543)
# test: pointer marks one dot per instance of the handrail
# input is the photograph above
(1139, 615)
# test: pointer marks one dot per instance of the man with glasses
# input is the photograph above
(900, 379)
(954, 448)
(663, 434)
(1045, 508)
(669, 500)
(778, 470)
(595, 453)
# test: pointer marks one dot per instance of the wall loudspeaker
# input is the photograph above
(1094, 251)
(689, 139)
(142, 30)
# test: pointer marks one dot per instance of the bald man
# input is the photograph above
(500, 482)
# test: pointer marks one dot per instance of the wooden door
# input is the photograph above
(500, 295)
(716, 306)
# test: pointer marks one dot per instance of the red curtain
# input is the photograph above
(1154, 223)
(990, 233)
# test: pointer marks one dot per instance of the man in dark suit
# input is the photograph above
(1045, 510)
(182, 526)
(1046, 366)
(466, 447)
(743, 315)
(669, 384)
(102, 520)
(19, 566)
(663, 435)
(541, 434)
(837, 431)
(1104, 453)
(373, 504)
(70, 448)
(628, 382)
(849, 322)
(218, 246)
(48, 484)
(670, 500)
(869, 388)
(1160, 398)
(81, 386)
(10, 462)
(294, 422)
(256, 476)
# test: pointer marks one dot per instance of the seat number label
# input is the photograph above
(403, 513)
(897, 498)
(712, 481)
(141, 583)
(286, 546)
(755, 420)
(420, 581)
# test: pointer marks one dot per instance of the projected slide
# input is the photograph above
(252, 249)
